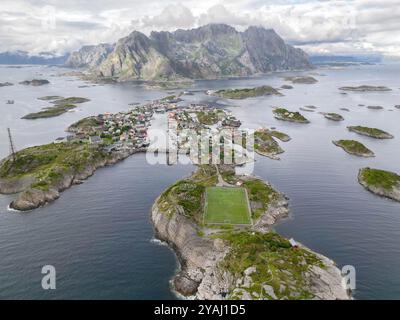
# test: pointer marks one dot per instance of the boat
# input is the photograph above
(10, 102)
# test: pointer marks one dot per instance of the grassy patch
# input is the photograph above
(353, 147)
(226, 206)
(48, 164)
(371, 132)
(259, 193)
(265, 143)
(247, 92)
(209, 117)
(50, 112)
(380, 178)
(284, 114)
(277, 263)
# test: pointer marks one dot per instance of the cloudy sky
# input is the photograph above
(318, 26)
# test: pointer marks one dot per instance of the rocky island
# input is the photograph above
(286, 115)
(247, 92)
(226, 261)
(265, 144)
(5, 84)
(35, 82)
(61, 106)
(380, 182)
(375, 107)
(366, 88)
(370, 132)
(354, 147)
(333, 116)
(302, 79)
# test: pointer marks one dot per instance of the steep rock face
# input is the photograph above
(89, 56)
(268, 51)
(211, 51)
(135, 57)
(199, 275)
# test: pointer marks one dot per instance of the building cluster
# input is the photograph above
(127, 131)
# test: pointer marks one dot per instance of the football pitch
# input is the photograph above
(226, 205)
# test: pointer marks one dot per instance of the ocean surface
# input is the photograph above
(99, 237)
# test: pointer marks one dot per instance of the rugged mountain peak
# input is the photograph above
(89, 56)
(210, 51)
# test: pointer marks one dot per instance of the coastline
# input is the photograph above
(30, 199)
(200, 275)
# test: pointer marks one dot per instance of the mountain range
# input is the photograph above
(208, 52)
(23, 57)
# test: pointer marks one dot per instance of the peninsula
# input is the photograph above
(234, 254)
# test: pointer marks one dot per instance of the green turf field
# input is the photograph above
(226, 206)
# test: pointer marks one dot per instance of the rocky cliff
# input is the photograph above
(213, 268)
(30, 198)
(89, 56)
(211, 51)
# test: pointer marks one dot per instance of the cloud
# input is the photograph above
(336, 26)
(171, 17)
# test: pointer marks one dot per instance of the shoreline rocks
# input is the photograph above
(302, 79)
(32, 198)
(333, 116)
(202, 258)
(380, 182)
(370, 132)
(354, 147)
(286, 115)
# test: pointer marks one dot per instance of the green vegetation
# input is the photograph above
(370, 132)
(210, 117)
(354, 147)
(276, 264)
(380, 178)
(187, 197)
(225, 205)
(333, 116)
(260, 196)
(61, 106)
(265, 144)
(86, 125)
(302, 79)
(280, 135)
(50, 98)
(286, 115)
(70, 100)
(47, 165)
(365, 88)
(248, 92)
(50, 112)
